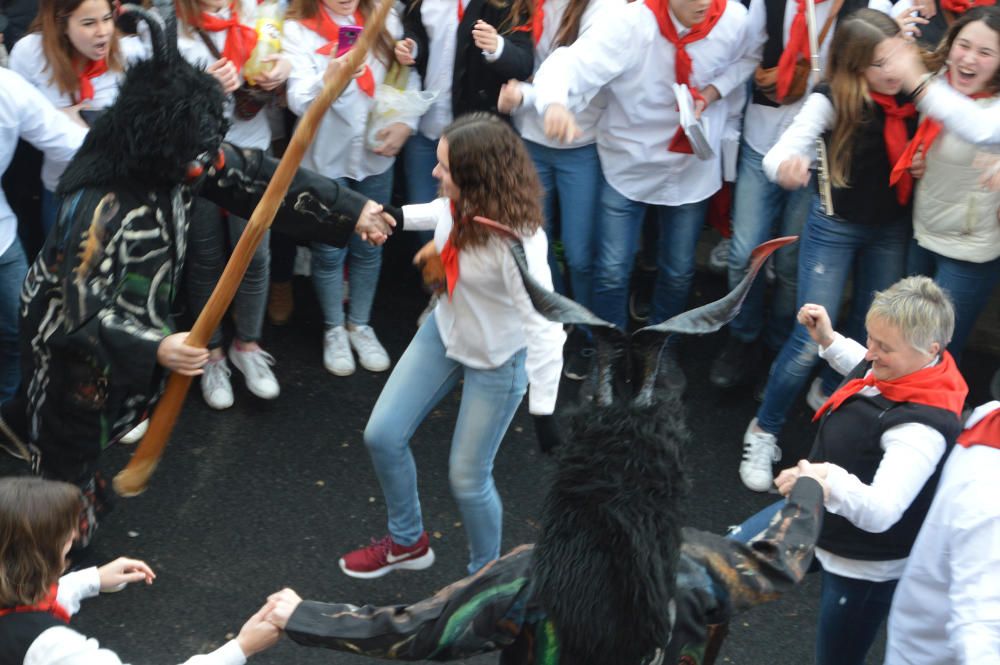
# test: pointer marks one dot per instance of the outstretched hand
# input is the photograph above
(374, 225)
(817, 322)
(258, 634)
(283, 605)
(116, 574)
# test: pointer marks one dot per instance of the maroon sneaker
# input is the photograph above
(384, 556)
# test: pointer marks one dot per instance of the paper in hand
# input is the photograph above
(696, 130)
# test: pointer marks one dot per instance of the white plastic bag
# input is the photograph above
(395, 105)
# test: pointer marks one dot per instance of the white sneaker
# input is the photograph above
(256, 368)
(815, 398)
(371, 354)
(215, 386)
(337, 356)
(760, 451)
(136, 433)
(431, 304)
(718, 258)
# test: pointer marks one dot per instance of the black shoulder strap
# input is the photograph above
(209, 44)
(19, 630)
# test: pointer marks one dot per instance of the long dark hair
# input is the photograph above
(569, 26)
(990, 15)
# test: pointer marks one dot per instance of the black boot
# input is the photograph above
(734, 365)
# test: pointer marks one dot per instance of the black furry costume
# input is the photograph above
(97, 300)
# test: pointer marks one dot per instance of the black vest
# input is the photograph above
(19, 630)
(850, 438)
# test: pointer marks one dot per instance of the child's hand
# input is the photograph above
(485, 37)
(817, 322)
(392, 138)
(122, 571)
(276, 75)
(918, 167)
(174, 354)
(226, 74)
(793, 173)
(511, 96)
(560, 124)
(404, 52)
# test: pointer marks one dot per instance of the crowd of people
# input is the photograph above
(597, 127)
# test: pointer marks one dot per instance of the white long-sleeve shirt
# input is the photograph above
(626, 54)
(799, 138)
(912, 453)
(26, 113)
(960, 114)
(61, 645)
(28, 59)
(252, 133)
(490, 316)
(946, 610)
(340, 149)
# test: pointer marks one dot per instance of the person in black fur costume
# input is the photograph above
(97, 336)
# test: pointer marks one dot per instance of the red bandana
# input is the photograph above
(536, 25)
(896, 138)
(940, 385)
(682, 61)
(93, 69)
(926, 134)
(798, 44)
(962, 6)
(984, 433)
(240, 39)
(449, 253)
(327, 28)
(48, 604)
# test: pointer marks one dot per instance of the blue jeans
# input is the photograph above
(831, 249)
(763, 210)
(50, 211)
(575, 176)
(618, 229)
(851, 612)
(756, 523)
(365, 263)
(419, 160)
(970, 286)
(421, 378)
(13, 269)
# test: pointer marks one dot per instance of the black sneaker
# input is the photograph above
(670, 377)
(733, 366)
(578, 362)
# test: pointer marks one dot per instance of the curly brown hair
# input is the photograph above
(37, 517)
(495, 175)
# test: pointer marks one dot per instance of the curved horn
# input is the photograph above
(157, 33)
(167, 11)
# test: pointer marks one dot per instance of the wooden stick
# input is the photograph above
(132, 480)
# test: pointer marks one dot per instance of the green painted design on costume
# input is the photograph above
(459, 621)
(548, 644)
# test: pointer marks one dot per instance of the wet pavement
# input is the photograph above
(270, 494)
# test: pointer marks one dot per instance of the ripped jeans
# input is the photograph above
(831, 250)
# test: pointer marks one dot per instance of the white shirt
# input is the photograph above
(490, 316)
(960, 114)
(527, 119)
(817, 116)
(912, 452)
(340, 149)
(946, 610)
(626, 54)
(26, 113)
(61, 645)
(252, 133)
(440, 19)
(28, 59)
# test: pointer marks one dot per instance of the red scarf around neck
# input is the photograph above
(927, 133)
(939, 385)
(896, 138)
(962, 6)
(984, 433)
(240, 39)
(798, 44)
(535, 26)
(449, 253)
(682, 61)
(93, 69)
(327, 28)
(48, 604)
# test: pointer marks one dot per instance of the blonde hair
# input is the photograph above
(919, 308)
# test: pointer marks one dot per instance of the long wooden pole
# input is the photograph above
(132, 480)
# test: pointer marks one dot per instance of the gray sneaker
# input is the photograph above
(215, 385)
(337, 356)
(371, 354)
(256, 368)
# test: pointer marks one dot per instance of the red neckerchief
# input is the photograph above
(798, 44)
(984, 433)
(538, 21)
(896, 138)
(940, 385)
(925, 136)
(682, 61)
(461, 11)
(962, 6)
(48, 604)
(327, 28)
(93, 69)
(449, 253)
(240, 39)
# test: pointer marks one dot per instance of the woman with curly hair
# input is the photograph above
(483, 333)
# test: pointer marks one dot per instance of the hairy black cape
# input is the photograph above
(605, 567)
(167, 113)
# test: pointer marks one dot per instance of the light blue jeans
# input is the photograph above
(832, 249)
(572, 176)
(763, 210)
(618, 229)
(364, 265)
(13, 269)
(421, 378)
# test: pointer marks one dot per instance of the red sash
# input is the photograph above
(48, 604)
(240, 39)
(962, 6)
(896, 139)
(984, 433)
(93, 69)
(798, 44)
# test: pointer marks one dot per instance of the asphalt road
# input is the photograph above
(270, 494)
